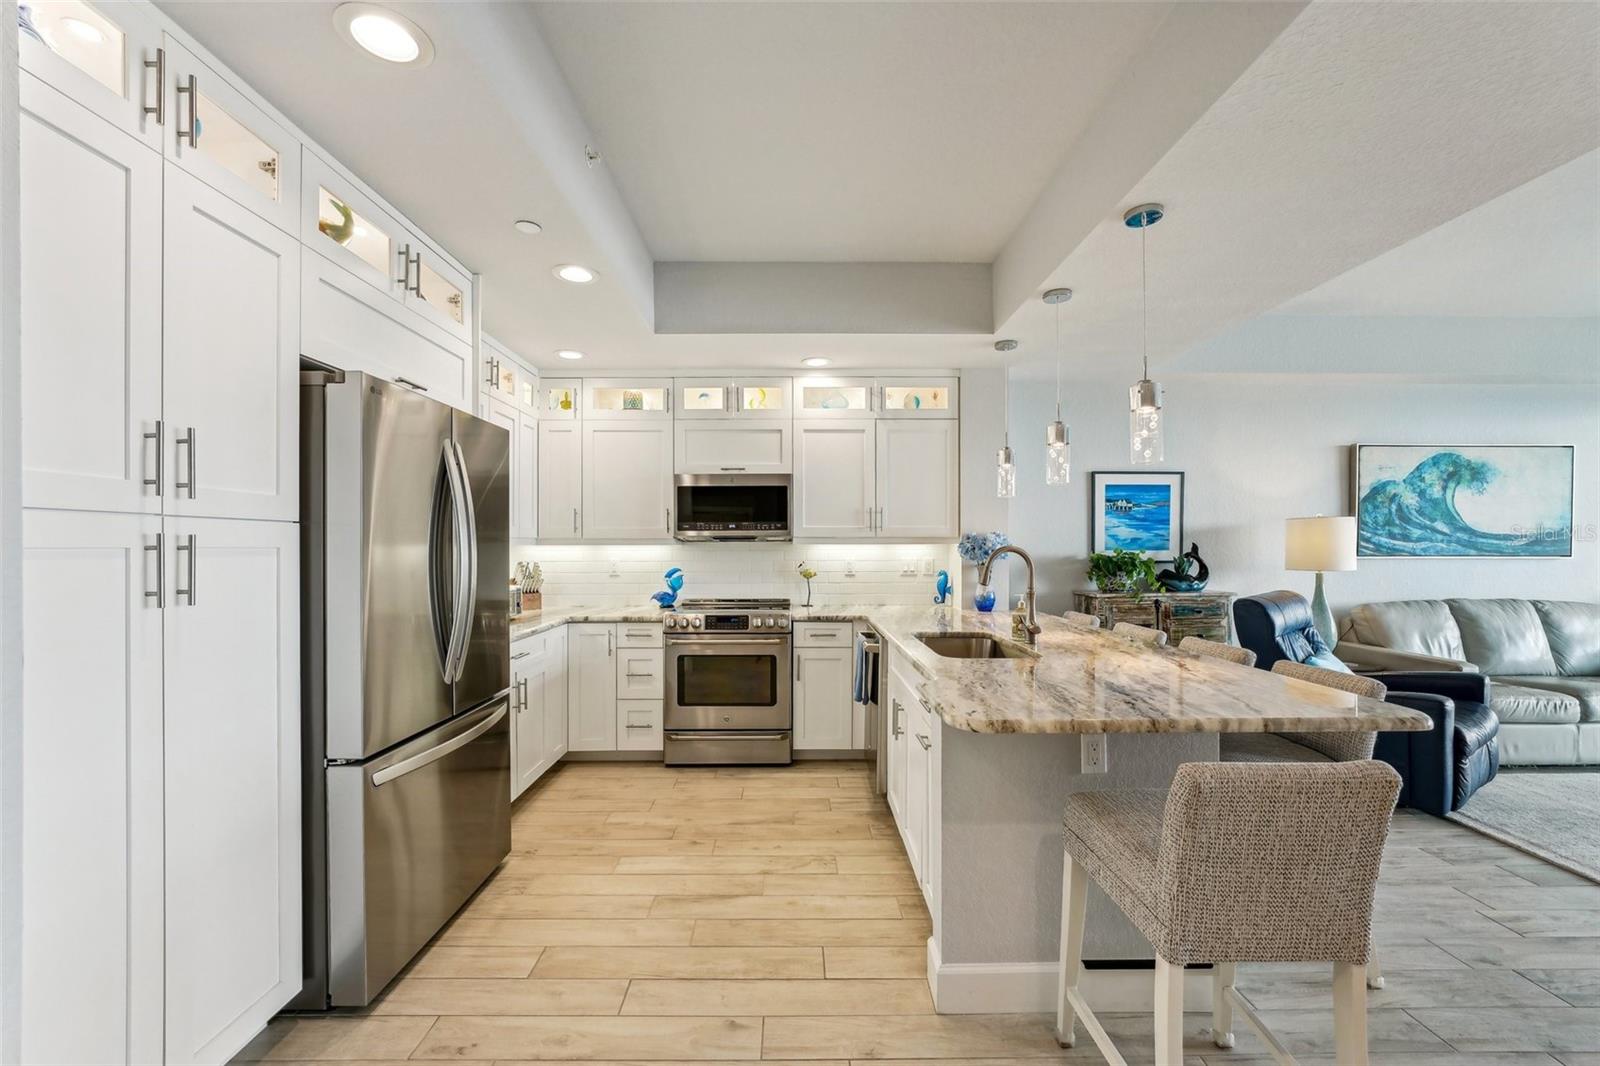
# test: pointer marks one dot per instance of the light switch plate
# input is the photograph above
(850, 568)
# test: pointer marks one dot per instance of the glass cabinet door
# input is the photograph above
(105, 57)
(219, 135)
(442, 295)
(830, 397)
(435, 288)
(921, 397)
(345, 226)
(645, 398)
(704, 399)
(558, 398)
(769, 397)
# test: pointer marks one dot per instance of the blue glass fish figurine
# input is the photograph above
(669, 597)
(941, 587)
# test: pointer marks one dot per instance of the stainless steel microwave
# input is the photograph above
(731, 507)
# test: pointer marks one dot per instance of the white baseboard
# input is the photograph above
(1030, 987)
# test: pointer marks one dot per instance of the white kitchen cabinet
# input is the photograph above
(91, 816)
(561, 480)
(560, 398)
(111, 67)
(530, 664)
(230, 375)
(340, 221)
(714, 398)
(436, 288)
(822, 704)
(555, 696)
(918, 467)
(348, 323)
(914, 827)
(627, 480)
(501, 374)
(217, 133)
(639, 674)
(591, 686)
(525, 465)
(834, 478)
(919, 397)
(628, 399)
(898, 737)
(639, 725)
(733, 446)
(232, 793)
(826, 396)
(91, 309)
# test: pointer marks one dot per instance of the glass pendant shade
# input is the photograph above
(1005, 474)
(1145, 423)
(1057, 454)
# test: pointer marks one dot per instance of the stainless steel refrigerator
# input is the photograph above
(405, 525)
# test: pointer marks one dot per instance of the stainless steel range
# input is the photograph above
(729, 683)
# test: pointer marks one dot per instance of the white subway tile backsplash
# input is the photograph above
(621, 575)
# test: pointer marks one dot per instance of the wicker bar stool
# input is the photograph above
(1128, 631)
(1079, 620)
(1202, 646)
(1268, 862)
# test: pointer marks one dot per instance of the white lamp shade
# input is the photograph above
(1325, 543)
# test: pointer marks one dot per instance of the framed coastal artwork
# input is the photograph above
(1466, 502)
(1140, 512)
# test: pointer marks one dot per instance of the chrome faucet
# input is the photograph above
(1028, 602)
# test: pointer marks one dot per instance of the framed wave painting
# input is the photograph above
(1138, 512)
(1471, 502)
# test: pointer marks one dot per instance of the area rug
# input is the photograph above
(1554, 814)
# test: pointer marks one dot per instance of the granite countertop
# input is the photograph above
(1081, 681)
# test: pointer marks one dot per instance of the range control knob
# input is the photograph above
(695, 622)
(783, 623)
(671, 622)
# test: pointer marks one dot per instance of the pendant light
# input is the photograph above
(1057, 438)
(1145, 424)
(1005, 474)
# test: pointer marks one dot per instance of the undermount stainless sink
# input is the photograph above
(974, 646)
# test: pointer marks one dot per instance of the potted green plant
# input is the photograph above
(1121, 570)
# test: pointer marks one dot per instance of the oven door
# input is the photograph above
(728, 683)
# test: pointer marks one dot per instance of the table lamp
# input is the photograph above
(1321, 543)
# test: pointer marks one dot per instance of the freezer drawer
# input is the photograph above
(411, 835)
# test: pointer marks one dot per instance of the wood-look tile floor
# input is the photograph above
(653, 914)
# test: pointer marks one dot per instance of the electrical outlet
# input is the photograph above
(909, 570)
(614, 571)
(1092, 746)
(850, 568)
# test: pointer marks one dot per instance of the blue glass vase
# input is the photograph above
(983, 599)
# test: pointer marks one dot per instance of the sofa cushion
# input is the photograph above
(1519, 703)
(1573, 630)
(1425, 627)
(1583, 691)
(1503, 636)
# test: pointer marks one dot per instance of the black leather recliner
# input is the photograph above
(1439, 769)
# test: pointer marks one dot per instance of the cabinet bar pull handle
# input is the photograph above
(797, 668)
(894, 723)
(416, 287)
(408, 383)
(156, 481)
(159, 65)
(405, 268)
(925, 704)
(608, 643)
(187, 441)
(924, 741)
(574, 521)
(188, 546)
(161, 574)
(192, 134)
(647, 725)
(731, 469)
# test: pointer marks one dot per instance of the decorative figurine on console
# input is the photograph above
(669, 597)
(1189, 572)
(808, 572)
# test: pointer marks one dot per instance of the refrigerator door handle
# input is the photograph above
(468, 599)
(444, 508)
(432, 755)
(460, 548)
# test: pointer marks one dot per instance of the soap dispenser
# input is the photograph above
(1019, 620)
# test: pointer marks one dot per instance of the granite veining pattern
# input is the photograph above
(1079, 681)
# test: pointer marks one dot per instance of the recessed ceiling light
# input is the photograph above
(569, 353)
(383, 33)
(578, 275)
(816, 360)
(526, 225)
(83, 30)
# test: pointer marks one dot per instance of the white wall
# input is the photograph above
(847, 574)
(1258, 449)
(10, 552)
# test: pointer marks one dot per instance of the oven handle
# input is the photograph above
(723, 642)
(726, 736)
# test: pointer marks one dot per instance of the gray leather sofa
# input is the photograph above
(1542, 656)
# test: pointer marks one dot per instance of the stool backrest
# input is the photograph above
(1129, 631)
(1202, 646)
(1272, 861)
(1340, 747)
(1080, 620)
